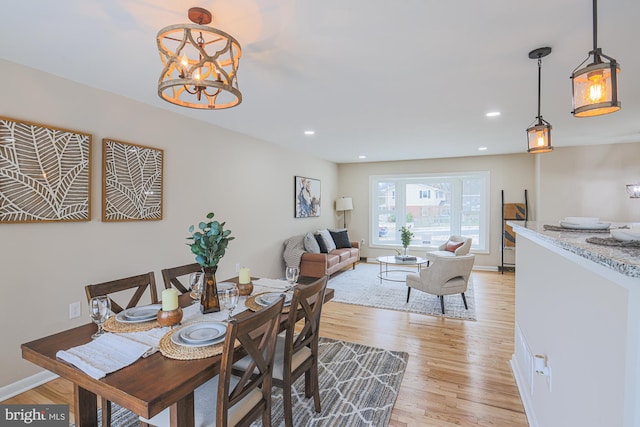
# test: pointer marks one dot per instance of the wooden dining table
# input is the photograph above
(145, 387)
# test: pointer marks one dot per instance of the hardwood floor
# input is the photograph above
(458, 372)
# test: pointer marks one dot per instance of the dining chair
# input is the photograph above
(444, 276)
(297, 351)
(140, 283)
(171, 276)
(230, 400)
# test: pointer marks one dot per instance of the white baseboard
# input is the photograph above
(26, 384)
(524, 393)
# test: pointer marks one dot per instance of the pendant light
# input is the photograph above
(595, 87)
(539, 134)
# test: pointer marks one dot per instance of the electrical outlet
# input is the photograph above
(74, 310)
(362, 242)
(237, 267)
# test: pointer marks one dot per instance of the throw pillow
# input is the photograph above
(321, 244)
(340, 238)
(311, 244)
(452, 246)
(328, 240)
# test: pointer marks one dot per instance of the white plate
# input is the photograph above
(582, 219)
(200, 334)
(625, 235)
(139, 314)
(585, 225)
(271, 297)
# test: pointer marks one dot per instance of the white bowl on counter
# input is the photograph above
(585, 225)
(582, 219)
(624, 235)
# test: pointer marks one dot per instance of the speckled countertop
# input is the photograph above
(625, 260)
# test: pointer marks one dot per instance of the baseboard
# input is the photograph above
(26, 384)
(524, 393)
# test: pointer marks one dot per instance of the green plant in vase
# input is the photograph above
(209, 244)
(405, 235)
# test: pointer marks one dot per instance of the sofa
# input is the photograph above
(321, 253)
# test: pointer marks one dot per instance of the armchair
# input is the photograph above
(445, 276)
(455, 246)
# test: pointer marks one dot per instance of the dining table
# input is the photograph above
(145, 387)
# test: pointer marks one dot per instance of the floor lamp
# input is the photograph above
(344, 204)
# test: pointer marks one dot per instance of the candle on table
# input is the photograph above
(244, 276)
(169, 299)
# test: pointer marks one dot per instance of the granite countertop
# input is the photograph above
(625, 260)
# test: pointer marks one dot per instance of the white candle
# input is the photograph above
(244, 276)
(169, 299)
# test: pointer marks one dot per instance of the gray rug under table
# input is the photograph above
(358, 387)
(362, 286)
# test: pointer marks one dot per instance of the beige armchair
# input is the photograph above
(450, 248)
(444, 276)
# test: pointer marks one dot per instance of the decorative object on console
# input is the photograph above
(633, 190)
(131, 182)
(595, 87)
(539, 133)
(209, 245)
(344, 204)
(307, 197)
(200, 64)
(45, 173)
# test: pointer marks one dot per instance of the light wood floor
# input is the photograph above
(458, 372)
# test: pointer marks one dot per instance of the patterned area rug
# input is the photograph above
(358, 387)
(362, 287)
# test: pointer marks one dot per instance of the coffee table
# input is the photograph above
(385, 261)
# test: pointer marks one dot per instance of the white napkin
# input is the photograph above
(266, 285)
(107, 353)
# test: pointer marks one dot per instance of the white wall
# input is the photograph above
(248, 183)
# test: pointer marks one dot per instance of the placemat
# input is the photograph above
(610, 241)
(573, 230)
(112, 325)
(252, 305)
(180, 352)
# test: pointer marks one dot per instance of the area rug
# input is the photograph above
(358, 387)
(361, 286)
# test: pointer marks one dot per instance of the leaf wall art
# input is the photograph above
(44, 173)
(131, 182)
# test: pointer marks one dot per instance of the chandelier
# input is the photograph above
(539, 133)
(200, 64)
(595, 87)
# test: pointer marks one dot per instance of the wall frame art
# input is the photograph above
(45, 173)
(131, 182)
(307, 197)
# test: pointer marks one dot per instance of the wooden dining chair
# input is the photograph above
(171, 276)
(229, 400)
(297, 351)
(140, 283)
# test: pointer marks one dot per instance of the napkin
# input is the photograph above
(277, 284)
(109, 353)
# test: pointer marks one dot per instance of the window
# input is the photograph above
(432, 206)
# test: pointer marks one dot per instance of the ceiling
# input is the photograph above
(390, 80)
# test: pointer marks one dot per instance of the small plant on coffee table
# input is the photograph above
(405, 235)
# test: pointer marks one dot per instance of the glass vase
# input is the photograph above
(209, 302)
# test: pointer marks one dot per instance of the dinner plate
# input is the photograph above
(625, 235)
(200, 334)
(585, 225)
(271, 297)
(139, 314)
(582, 219)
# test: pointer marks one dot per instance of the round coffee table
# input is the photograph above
(385, 261)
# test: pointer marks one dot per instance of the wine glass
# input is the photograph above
(229, 299)
(292, 275)
(99, 310)
(196, 281)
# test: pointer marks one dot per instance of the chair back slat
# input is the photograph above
(171, 276)
(140, 283)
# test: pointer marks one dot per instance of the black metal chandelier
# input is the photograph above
(539, 132)
(595, 87)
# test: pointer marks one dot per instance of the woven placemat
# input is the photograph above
(112, 325)
(610, 241)
(573, 230)
(180, 352)
(252, 305)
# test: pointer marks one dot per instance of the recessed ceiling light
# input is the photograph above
(482, 148)
(493, 114)
(309, 132)
(362, 157)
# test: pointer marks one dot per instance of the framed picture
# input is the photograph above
(131, 182)
(307, 197)
(45, 173)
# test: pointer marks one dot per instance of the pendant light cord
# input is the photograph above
(539, 80)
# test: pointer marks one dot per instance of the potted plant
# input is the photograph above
(209, 244)
(405, 235)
